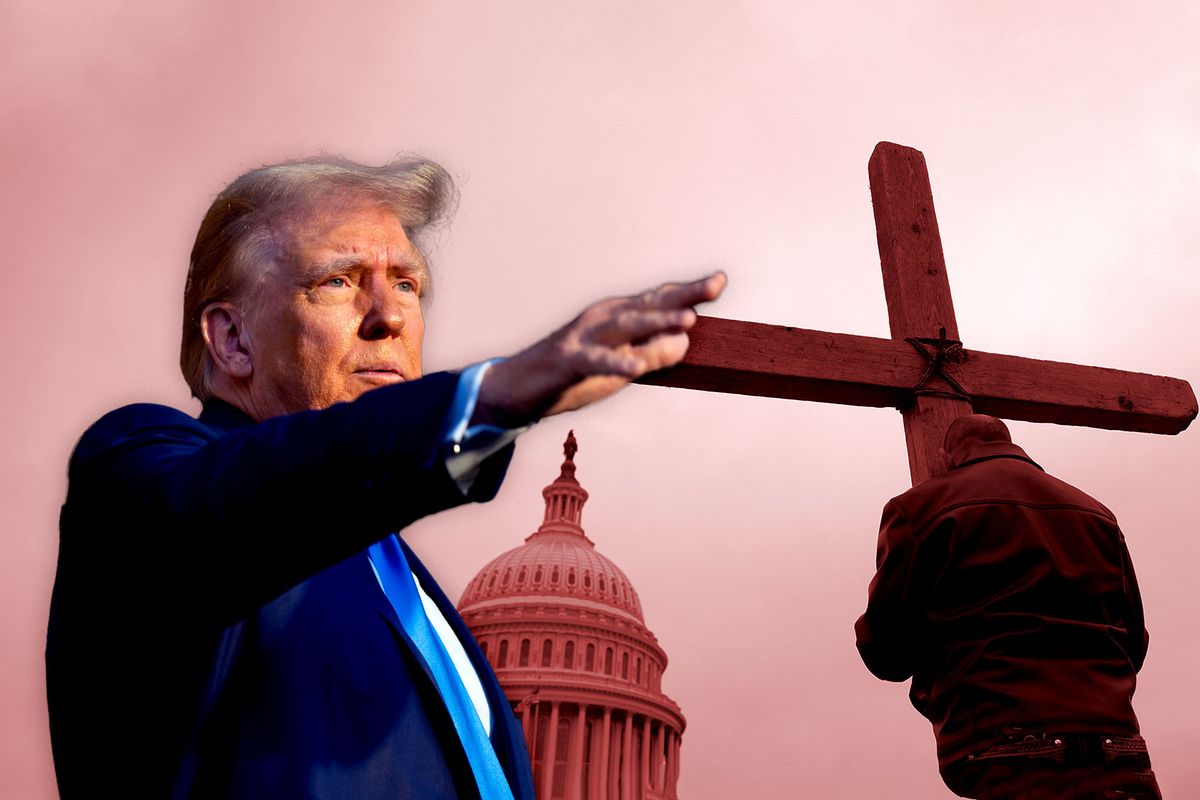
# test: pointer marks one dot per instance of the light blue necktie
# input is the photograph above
(400, 587)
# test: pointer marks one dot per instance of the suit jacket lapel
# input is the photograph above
(478, 661)
(377, 600)
(506, 738)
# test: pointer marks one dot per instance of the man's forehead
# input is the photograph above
(341, 225)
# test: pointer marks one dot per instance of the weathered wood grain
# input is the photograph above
(754, 358)
(910, 245)
(916, 288)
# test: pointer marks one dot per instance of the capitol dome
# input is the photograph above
(563, 628)
(558, 560)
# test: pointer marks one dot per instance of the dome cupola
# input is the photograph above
(558, 559)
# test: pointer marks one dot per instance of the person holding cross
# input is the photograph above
(234, 615)
(1008, 596)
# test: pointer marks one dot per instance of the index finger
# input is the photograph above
(683, 295)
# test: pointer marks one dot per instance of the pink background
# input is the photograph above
(602, 149)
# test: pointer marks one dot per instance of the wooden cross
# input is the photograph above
(922, 369)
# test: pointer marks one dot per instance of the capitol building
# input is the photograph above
(563, 628)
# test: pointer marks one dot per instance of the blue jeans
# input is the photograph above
(1035, 765)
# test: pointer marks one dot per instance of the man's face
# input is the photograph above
(338, 313)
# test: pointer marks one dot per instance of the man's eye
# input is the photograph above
(337, 283)
(407, 286)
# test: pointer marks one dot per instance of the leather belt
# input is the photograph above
(1063, 748)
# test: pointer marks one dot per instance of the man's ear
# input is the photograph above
(946, 458)
(228, 342)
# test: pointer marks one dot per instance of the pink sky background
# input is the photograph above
(602, 148)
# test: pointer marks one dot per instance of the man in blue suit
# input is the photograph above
(233, 615)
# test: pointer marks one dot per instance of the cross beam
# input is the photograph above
(753, 358)
(798, 364)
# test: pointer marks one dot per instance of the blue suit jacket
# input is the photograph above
(216, 629)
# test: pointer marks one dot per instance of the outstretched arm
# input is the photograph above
(232, 521)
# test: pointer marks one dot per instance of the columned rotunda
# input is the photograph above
(564, 630)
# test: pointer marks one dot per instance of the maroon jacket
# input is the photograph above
(1009, 598)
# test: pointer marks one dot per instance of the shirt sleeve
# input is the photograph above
(468, 446)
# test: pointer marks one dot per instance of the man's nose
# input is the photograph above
(384, 317)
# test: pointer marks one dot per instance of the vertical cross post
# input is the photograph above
(917, 290)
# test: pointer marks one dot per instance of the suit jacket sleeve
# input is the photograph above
(887, 630)
(218, 523)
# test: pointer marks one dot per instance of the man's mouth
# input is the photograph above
(380, 373)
